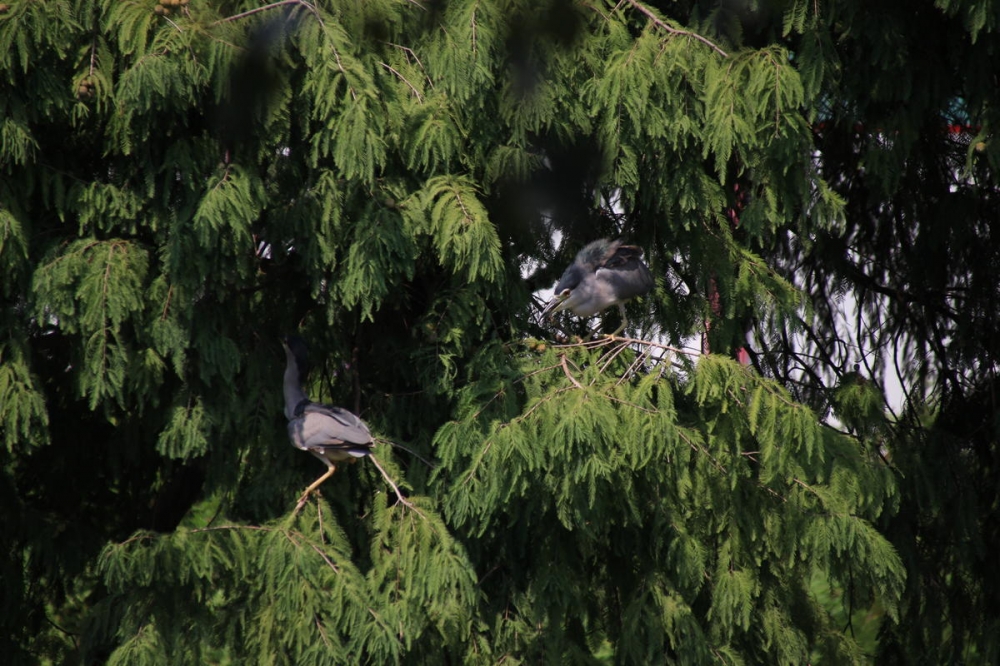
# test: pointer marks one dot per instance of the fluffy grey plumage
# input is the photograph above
(604, 273)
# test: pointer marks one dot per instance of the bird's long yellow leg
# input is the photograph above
(621, 327)
(314, 485)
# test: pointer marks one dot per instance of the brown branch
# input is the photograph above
(569, 375)
(166, 304)
(322, 632)
(257, 10)
(606, 17)
(326, 559)
(408, 450)
(700, 449)
(675, 31)
(611, 356)
(402, 78)
(410, 52)
(399, 495)
(808, 487)
(472, 21)
(636, 341)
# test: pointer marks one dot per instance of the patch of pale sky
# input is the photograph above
(867, 359)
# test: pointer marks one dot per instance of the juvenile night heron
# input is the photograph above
(604, 273)
(330, 433)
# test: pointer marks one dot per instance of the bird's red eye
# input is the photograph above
(564, 293)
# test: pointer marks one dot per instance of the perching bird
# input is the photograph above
(330, 433)
(604, 273)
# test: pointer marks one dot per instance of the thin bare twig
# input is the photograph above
(257, 10)
(224, 528)
(650, 343)
(609, 339)
(395, 488)
(411, 53)
(288, 534)
(322, 632)
(611, 356)
(569, 375)
(416, 93)
(93, 55)
(675, 31)
(636, 364)
(326, 559)
(408, 450)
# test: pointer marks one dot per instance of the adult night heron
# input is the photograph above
(332, 434)
(604, 273)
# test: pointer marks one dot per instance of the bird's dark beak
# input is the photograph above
(552, 306)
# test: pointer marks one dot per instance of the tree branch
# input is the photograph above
(408, 450)
(402, 78)
(395, 488)
(273, 5)
(675, 31)
(569, 375)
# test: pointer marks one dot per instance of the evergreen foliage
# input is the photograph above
(181, 184)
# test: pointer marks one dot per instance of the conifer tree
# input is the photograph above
(183, 182)
(905, 139)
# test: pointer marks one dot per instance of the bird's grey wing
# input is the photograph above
(340, 422)
(330, 428)
(594, 254)
(592, 257)
(625, 270)
(319, 433)
(621, 256)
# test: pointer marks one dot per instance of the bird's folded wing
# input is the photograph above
(325, 425)
(622, 256)
(628, 281)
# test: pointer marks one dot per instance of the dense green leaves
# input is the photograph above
(184, 184)
(22, 406)
(91, 288)
(460, 228)
(290, 590)
(607, 442)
